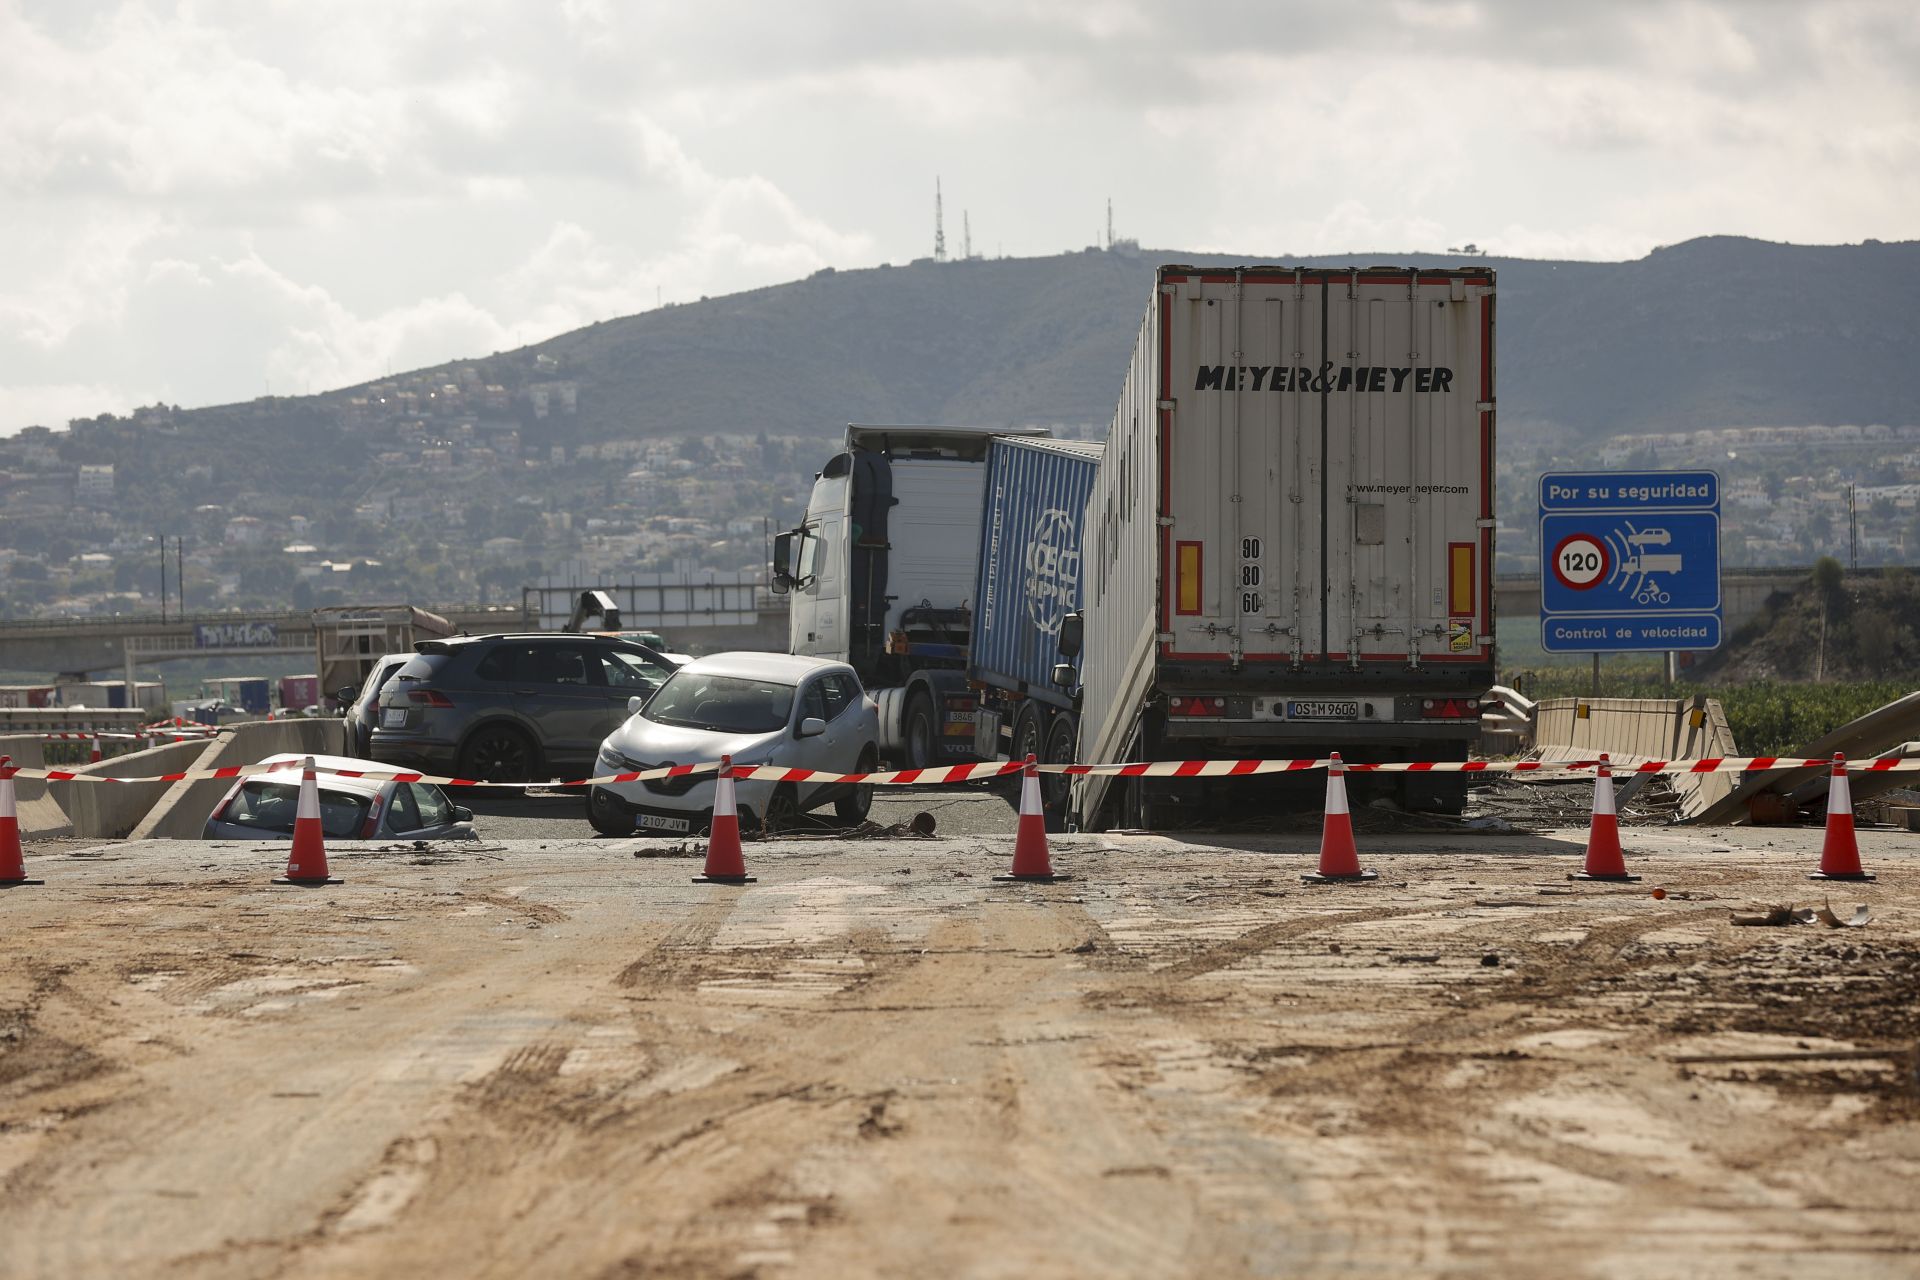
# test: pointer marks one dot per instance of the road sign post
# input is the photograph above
(1629, 561)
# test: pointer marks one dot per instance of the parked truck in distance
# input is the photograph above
(1289, 543)
(883, 575)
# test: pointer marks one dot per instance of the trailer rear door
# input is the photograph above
(1327, 428)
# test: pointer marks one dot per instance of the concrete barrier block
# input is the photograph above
(181, 812)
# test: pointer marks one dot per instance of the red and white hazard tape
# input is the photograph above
(1005, 768)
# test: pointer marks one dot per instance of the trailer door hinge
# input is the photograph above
(1166, 406)
(1165, 522)
(1486, 524)
(1483, 406)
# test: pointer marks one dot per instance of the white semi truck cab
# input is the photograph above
(881, 574)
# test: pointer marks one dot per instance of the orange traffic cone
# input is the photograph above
(308, 863)
(1030, 859)
(93, 756)
(13, 868)
(725, 863)
(1840, 852)
(1339, 859)
(1605, 861)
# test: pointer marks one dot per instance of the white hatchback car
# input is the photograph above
(760, 708)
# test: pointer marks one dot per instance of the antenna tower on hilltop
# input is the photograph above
(966, 236)
(1109, 222)
(939, 226)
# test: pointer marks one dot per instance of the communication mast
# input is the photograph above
(939, 227)
(966, 237)
(1109, 222)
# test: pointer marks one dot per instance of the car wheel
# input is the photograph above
(854, 807)
(920, 733)
(606, 815)
(498, 753)
(783, 811)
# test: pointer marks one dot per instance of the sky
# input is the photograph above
(206, 201)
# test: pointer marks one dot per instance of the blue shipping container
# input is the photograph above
(1035, 501)
(256, 696)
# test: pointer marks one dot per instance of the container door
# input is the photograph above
(1406, 472)
(1244, 470)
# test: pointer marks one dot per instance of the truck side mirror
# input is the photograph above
(1064, 675)
(1072, 632)
(782, 581)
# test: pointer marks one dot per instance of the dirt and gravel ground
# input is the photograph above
(563, 1058)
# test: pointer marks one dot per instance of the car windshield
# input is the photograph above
(272, 806)
(730, 704)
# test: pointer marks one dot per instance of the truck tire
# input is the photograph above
(1056, 792)
(920, 732)
(1029, 733)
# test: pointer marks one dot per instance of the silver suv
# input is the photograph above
(512, 708)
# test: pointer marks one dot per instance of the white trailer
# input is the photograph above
(1289, 545)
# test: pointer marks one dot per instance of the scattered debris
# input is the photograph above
(1784, 914)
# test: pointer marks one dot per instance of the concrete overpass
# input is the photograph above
(1743, 593)
(85, 646)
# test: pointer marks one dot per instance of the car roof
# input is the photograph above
(444, 644)
(348, 763)
(788, 667)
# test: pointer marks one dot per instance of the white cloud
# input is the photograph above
(207, 196)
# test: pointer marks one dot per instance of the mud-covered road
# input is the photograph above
(563, 1058)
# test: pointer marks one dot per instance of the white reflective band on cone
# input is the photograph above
(1336, 787)
(1839, 793)
(1603, 790)
(309, 794)
(1030, 797)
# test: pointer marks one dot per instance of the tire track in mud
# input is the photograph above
(679, 951)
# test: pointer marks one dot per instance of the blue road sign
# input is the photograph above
(1629, 561)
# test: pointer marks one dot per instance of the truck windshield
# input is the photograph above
(729, 704)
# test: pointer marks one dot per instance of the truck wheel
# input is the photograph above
(853, 807)
(498, 753)
(1063, 734)
(606, 816)
(921, 732)
(1029, 733)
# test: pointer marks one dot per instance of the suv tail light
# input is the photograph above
(1450, 708)
(429, 698)
(372, 823)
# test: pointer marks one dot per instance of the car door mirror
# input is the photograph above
(634, 704)
(782, 580)
(462, 814)
(811, 727)
(1072, 635)
(347, 696)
